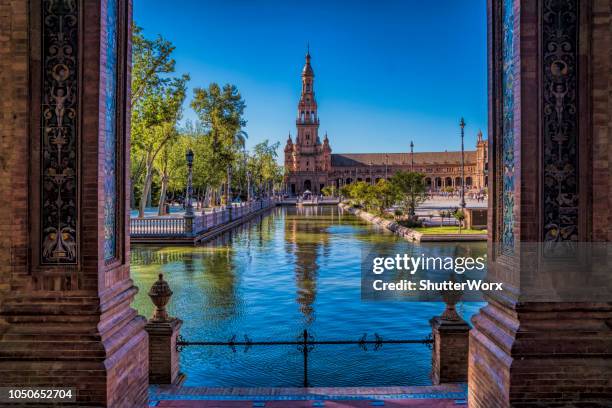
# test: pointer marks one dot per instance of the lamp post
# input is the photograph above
(188, 199)
(462, 202)
(249, 185)
(228, 190)
(411, 156)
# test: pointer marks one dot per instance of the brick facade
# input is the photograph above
(310, 164)
(67, 325)
(524, 353)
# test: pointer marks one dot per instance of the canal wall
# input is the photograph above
(410, 234)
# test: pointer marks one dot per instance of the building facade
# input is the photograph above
(310, 164)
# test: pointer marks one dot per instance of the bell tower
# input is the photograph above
(307, 120)
(307, 160)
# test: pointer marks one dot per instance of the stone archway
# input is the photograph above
(44, 288)
(308, 185)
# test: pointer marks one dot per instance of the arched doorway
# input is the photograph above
(307, 185)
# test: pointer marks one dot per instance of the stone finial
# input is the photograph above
(450, 299)
(160, 295)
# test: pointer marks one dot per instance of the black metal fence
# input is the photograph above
(305, 343)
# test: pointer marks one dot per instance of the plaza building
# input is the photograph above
(311, 165)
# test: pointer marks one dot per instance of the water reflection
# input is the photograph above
(291, 269)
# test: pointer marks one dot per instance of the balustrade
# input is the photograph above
(175, 226)
(157, 226)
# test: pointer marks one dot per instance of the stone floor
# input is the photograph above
(444, 396)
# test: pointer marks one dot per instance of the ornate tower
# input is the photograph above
(481, 161)
(308, 122)
(307, 160)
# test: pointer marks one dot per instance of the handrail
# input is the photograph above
(202, 222)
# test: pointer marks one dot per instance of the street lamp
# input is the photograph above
(411, 156)
(188, 203)
(228, 199)
(462, 202)
(249, 185)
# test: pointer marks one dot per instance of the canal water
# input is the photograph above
(283, 272)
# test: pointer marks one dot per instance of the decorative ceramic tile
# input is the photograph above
(59, 131)
(110, 136)
(508, 176)
(560, 120)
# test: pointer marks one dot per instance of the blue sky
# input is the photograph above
(386, 72)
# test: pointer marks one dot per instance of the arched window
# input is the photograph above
(468, 181)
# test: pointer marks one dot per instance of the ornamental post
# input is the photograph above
(163, 332)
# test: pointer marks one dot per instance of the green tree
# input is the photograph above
(329, 191)
(152, 63)
(459, 215)
(386, 194)
(220, 112)
(362, 193)
(412, 188)
(155, 121)
(171, 166)
(151, 60)
(345, 191)
(265, 171)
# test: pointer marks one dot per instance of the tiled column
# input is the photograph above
(65, 287)
(550, 116)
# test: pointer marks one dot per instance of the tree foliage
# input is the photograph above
(405, 188)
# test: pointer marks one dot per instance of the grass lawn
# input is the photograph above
(447, 230)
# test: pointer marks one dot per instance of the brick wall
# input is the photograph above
(61, 325)
(553, 354)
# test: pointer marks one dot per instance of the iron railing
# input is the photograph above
(305, 343)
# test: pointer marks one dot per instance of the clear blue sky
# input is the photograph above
(386, 71)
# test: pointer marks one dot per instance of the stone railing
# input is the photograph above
(186, 226)
(158, 226)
